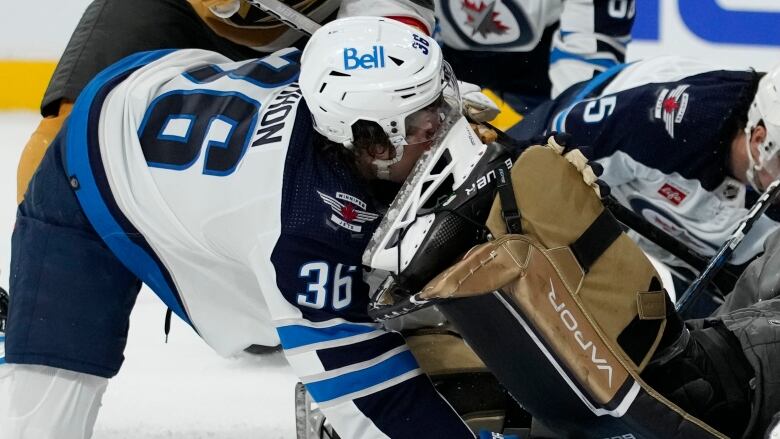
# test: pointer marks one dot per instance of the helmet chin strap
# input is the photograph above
(382, 166)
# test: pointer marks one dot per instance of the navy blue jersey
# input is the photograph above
(659, 127)
(671, 126)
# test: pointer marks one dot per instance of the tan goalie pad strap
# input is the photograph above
(651, 305)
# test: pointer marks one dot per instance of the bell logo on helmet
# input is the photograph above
(373, 60)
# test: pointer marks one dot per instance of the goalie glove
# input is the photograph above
(476, 105)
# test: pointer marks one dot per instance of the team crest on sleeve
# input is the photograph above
(482, 18)
(349, 212)
(670, 107)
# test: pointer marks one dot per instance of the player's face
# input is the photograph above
(400, 170)
(421, 130)
(422, 127)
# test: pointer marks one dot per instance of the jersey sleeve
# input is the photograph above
(592, 37)
(416, 13)
(364, 378)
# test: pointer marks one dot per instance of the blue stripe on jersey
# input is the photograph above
(294, 336)
(78, 164)
(558, 54)
(336, 357)
(587, 89)
(351, 382)
(565, 33)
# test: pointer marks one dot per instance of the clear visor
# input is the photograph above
(425, 125)
(771, 164)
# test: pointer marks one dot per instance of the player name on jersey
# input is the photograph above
(275, 117)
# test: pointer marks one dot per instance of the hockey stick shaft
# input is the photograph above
(402, 307)
(727, 249)
(287, 15)
(666, 241)
(724, 279)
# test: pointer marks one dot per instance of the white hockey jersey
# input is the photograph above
(506, 44)
(203, 176)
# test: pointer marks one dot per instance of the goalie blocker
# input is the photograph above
(571, 318)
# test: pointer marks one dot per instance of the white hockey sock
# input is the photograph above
(41, 402)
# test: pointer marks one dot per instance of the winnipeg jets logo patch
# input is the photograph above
(670, 107)
(348, 211)
(482, 18)
(478, 23)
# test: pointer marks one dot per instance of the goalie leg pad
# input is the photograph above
(580, 316)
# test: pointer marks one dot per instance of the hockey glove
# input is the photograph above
(477, 106)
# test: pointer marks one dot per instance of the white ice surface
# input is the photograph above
(177, 390)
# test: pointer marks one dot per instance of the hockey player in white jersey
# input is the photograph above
(244, 209)
(527, 50)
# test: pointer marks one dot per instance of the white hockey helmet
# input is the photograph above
(765, 110)
(379, 70)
